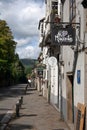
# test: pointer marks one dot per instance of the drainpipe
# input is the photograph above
(60, 64)
(60, 60)
(49, 86)
(58, 79)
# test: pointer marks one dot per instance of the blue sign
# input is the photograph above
(78, 76)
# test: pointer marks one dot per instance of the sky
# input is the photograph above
(22, 16)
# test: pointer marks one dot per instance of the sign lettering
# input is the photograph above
(63, 36)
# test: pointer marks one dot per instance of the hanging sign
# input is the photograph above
(63, 36)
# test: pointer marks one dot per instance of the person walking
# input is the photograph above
(29, 82)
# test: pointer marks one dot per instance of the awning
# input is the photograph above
(41, 66)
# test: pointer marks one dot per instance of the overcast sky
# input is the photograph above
(23, 17)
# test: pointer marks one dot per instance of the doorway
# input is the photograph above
(70, 101)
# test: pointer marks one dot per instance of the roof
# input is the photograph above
(41, 22)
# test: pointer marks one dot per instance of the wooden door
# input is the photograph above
(70, 98)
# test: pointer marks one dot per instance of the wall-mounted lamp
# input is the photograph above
(84, 3)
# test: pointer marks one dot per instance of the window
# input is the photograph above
(72, 10)
(54, 10)
(41, 29)
(55, 7)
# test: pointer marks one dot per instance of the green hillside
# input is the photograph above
(29, 64)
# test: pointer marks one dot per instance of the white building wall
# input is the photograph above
(80, 17)
(66, 11)
(51, 73)
(45, 85)
(69, 59)
(54, 85)
(79, 88)
(85, 90)
(47, 8)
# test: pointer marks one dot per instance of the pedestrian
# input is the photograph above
(29, 82)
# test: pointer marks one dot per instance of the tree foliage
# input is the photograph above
(11, 69)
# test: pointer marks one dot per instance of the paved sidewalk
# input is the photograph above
(37, 114)
(9, 97)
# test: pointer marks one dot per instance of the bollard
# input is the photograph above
(20, 102)
(17, 109)
(26, 89)
(21, 99)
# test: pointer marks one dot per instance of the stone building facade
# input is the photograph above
(65, 83)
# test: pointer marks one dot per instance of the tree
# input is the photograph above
(10, 66)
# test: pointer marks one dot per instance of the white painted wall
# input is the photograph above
(79, 88)
(68, 57)
(54, 85)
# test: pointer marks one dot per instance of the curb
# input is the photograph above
(10, 115)
(6, 119)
